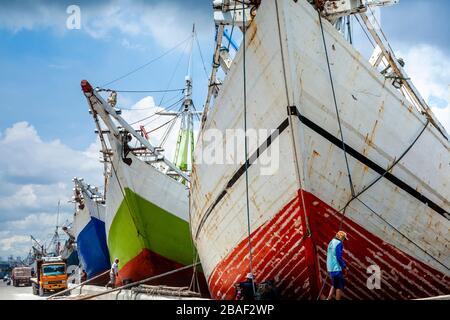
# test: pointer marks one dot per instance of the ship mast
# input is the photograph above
(235, 13)
(38, 250)
(184, 151)
(55, 242)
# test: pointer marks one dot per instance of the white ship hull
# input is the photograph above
(400, 224)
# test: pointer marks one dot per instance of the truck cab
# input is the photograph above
(51, 275)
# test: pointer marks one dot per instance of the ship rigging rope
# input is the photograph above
(194, 279)
(244, 67)
(169, 108)
(350, 180)
(354, 195)
(159, 115)
(201, 56)
(370, 186)
(407, 238)
(165, 136)
(139, 91)
(283, 63)
(381, 30)
(396, 162)
(164, 124)
(140, 282)
(365, 32)
(147, 64)
(352, 189)
(175, 69)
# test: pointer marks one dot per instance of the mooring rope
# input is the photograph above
(244, 58)
(140, 282)
(352, 189)
(350, 180)
(79, 285)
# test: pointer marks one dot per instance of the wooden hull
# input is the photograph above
(400, 224)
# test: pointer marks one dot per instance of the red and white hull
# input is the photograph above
(401, 224)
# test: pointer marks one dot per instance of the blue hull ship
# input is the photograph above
(89, 227)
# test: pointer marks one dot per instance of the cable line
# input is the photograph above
(147, 64)
(352, 188)
(163, 125)
(140, 91)
(244, 58)
(156, 114)
(201, 56)
(175, 70)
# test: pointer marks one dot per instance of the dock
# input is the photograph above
(141, 292)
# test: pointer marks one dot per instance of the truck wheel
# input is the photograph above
(41, 292)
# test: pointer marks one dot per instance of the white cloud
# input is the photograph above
(30, 15)
(12, 242)
(168, 23)
(31, 160)
(45, 221)
(145, 108)
(443, 114)
(35, 175)
(429, 69)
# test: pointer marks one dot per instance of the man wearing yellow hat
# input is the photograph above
(336, 266)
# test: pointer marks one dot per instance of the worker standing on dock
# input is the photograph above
(114, 272)
(336, 266)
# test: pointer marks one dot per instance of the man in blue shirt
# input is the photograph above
(336, 266)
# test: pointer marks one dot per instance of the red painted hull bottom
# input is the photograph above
(149, 264)
(297, 262)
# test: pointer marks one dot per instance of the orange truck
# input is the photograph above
(51, 275)
(21, 275)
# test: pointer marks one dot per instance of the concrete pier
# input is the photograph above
(120, 295)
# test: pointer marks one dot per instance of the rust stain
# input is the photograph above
(253, 31)
(410, 109)
(316, 154)
(370, 138)
(381, 108)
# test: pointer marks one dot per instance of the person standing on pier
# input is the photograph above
(83, 276)
(336, 266)
(114, 272)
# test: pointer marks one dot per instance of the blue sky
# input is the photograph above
(45, 129)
